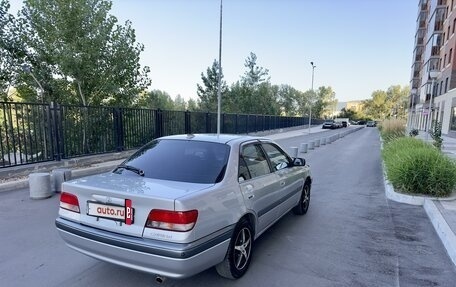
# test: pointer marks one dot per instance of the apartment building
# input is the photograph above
(433, 76)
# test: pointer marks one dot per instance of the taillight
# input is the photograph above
(172, 220)
(69, 201)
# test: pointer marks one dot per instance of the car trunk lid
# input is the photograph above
(121, 203)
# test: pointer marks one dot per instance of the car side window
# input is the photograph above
(244, 173)
(255, 160)
(278, 158)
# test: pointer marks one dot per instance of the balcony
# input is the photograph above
(420, 41)
(415, 83)
(441, 2)
(438, 26)
(423, 4)
(435, 51)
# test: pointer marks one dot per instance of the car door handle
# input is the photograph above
(250, 196)
(282, 183)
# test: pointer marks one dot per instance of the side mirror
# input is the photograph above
(299, 161)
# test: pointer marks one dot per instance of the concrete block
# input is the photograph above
(323, 141)
(304, 147)
(40, 185)
(58, 176)
(317, 143)
(311, 145)
(294, 151)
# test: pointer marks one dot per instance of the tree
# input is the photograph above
(254, 94)
(377, 107)
(192, 105)
(326, 102)
(352, 115)
(288, 100)
(155, 99)
(78, 52)
(390, 103)
(179, 103)
(11, 51)
(303, 100)
(254, 74)
(208, 97)
(398, 98)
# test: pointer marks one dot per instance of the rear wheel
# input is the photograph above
(303, 205)
(239, 254)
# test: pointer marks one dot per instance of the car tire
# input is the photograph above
(304, 202)
(239, 254)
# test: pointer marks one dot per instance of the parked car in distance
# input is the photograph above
(338, 125)
(329, 124)
(182, 204)
(371, 124)
(345, 124)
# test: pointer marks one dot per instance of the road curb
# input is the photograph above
(442, 228)
(13, 185)
(402, 198)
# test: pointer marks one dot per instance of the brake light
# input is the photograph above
(172, 220)
(69, 201)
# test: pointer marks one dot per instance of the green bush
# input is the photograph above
(416, 167)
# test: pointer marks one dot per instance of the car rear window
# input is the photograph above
(181, 160)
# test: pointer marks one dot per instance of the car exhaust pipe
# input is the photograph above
(159, 279)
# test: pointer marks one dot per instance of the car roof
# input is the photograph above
(221, 138)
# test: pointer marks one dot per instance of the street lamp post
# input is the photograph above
(311, 99)
(433, 75)
(219, 84)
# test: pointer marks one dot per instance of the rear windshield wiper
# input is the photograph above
(130, 168)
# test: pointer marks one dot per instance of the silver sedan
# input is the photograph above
(182, 204)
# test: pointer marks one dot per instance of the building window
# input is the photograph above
(446, 84)
(454, 24)
(448, 33)
(444, 60)
(450, 56)
(441, 88)
(453, 119)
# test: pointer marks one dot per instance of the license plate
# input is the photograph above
(110, 211)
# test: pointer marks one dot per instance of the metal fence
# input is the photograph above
(32, 133)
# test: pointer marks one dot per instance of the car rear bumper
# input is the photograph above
(174, 260)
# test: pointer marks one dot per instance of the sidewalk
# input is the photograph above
(441, 211)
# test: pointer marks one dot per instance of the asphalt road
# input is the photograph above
(351, 236)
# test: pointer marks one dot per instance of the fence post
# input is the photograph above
(188, 124)
(208, 122)
(158, 123)
(236, 130)
(118, 128)
(56, 130)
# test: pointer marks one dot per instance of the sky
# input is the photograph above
(358, 46)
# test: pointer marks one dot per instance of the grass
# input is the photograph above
(416, 167)
(392, 129)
